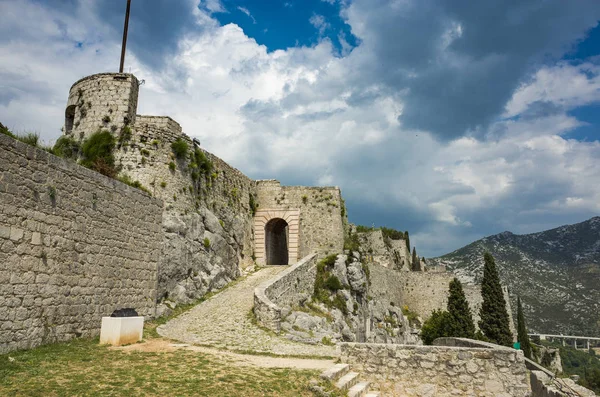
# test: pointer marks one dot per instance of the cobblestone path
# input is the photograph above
(223, 323)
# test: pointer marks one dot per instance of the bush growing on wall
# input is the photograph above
(180, 148)
(67, 147)
(97, 153)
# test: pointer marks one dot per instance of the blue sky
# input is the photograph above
(452, 119)
(282, 24)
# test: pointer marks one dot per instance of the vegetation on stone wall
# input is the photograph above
(67, 147)
(180, 148)
(97, 153)
(327, 285)
(494, 320)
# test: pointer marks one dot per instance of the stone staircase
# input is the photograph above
(346, 380)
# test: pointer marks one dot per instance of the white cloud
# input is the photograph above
(247, 12)
(565, 85)
(319, 22)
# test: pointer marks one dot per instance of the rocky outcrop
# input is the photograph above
(342, 310)
(548, 357)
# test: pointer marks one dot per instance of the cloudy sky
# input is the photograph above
(452, 119)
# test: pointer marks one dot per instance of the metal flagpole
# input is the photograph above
(125, 36)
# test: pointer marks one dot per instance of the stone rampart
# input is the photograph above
(74, 246)
(321, 219)
(274, 298)
(441, 371)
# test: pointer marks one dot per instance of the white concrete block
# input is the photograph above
(119, 331)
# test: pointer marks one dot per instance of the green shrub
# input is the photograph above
(67, 147)
(97, 153)
(435, 327)
(163, 184)
(172, 166)
(304, 199)
(327, 341)
(333, 283)
(106, 119)
(145, 152)
(206, 243)
(252, 203)
(180, 148)
(202, 162)
(126, 179)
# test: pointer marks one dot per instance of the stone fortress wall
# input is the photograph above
(442, 371)
(321, 209)
(74, 246)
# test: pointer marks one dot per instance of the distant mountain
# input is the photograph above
(556, 273)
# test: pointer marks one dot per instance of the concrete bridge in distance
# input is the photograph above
(585, 342)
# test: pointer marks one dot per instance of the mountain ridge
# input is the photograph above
(556, 273)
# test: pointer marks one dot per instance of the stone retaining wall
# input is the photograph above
(273, 299)
(407, 370)
(74, 246)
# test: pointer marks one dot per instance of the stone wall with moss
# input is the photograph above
(74, 246)
(322, 213)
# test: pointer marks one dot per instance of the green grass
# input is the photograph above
(84, 368)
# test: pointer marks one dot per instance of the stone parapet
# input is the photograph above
(441, 371)
(274, 298)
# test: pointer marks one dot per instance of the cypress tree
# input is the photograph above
(461, 320)
(494, 321)
(415, 261)
(522, 336)
(407, 239)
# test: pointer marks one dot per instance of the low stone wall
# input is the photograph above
(441, 371)
(74, 246)
(291, 287)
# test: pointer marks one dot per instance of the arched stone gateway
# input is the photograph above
(276, 242)
(276, 236)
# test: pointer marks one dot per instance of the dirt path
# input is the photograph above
(164, 345)
(223, 323)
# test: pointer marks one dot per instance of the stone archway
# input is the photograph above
(276, 233)
(276, 242)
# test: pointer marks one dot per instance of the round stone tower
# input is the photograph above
(106, 101)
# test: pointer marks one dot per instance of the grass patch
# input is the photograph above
(84, 368)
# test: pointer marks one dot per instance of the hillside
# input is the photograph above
(556, 273)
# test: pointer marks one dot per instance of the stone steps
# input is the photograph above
(336, 372)
(345, 380)
(359, 390)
